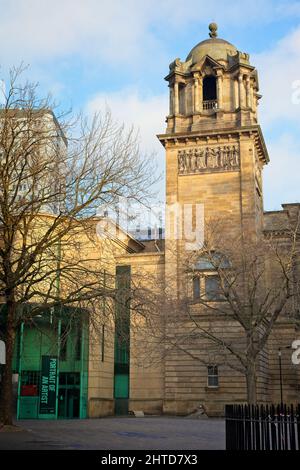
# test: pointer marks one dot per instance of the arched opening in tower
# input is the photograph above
(209, 88)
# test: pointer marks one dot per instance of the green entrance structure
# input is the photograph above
(51, 360)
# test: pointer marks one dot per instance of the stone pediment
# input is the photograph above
(207, 62)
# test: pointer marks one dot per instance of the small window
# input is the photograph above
(196, 288)
(212, 376)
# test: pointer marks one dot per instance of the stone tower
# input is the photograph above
(215, 149)
(215, 153)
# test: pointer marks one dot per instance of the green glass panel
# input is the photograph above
(121, 385)
(28, 407)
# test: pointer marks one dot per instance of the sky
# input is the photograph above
(95, 53)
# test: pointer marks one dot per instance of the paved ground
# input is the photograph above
(169, 433)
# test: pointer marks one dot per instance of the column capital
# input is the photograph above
(197, 76)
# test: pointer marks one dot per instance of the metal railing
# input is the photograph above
(263, 427)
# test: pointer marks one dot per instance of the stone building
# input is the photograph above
(215, 154)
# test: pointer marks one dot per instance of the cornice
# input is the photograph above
(192, 136)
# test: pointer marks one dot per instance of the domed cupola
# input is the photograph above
(215, 85)
(216, 48)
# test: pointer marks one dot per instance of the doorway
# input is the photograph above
(69, 395)
(121, 394)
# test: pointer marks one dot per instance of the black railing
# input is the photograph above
(263, 427)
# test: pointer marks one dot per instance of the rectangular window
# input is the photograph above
(196, 288)
(63, 343)
(78, 342)
(212, 376)
(30, 381)
(213, 289)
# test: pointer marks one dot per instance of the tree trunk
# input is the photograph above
(7, 390)
(251, 383)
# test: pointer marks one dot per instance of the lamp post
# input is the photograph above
(280, 375)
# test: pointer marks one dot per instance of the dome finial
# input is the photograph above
(213, 27)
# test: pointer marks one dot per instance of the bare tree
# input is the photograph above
(231, 294)
(55, 172)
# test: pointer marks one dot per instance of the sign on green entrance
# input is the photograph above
(48, 385)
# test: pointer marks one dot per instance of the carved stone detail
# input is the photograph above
(203, 159)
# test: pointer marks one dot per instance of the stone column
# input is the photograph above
(171, 107)
(236, 94)
(220, 91)
(252, 98)
(248, 92)
(200, 93)
(196, 95)
(241, 91)
(176, 98)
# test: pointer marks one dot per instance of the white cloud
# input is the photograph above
(279, 70)
(146, 113)
(281, 176)
(135, 33)
(117, 31)
(279, 115)
(42, 29)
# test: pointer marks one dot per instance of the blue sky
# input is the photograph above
(90, 53)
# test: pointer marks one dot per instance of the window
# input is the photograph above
(30, 383)
(196, 288)
(213, 290)
(212, 376)
(63, 343)
(207, 282)
(78, 341)
(30, 377)
(212, 262)
(209, 88)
